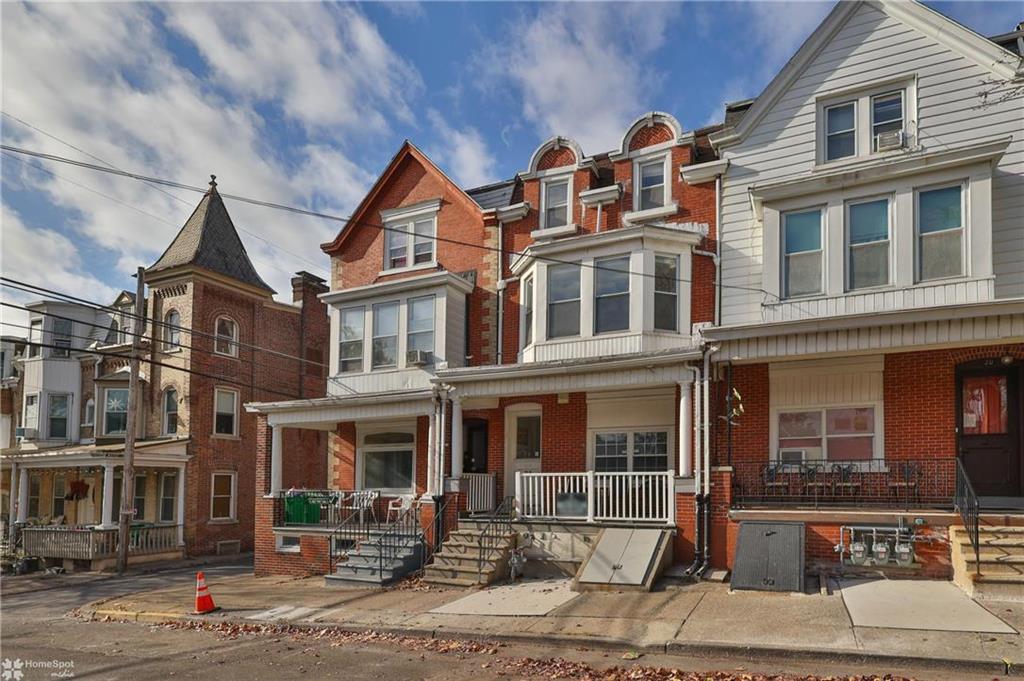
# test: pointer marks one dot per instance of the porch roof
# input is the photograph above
(165, 451)
(324, 413)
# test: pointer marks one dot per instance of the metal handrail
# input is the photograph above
(441, 529)
(966, 501)
(353, 528)
(498, 527)
(397, 536)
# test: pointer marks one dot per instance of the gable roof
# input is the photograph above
(1002, 62)
(209, 241)
(407, 150)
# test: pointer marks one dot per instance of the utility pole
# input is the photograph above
(128, 478)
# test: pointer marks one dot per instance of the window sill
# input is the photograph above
(888, 288)
(221, 436)
(222, 521)
(410, 268)
(553, 232)
(639, 216)
(175, 350)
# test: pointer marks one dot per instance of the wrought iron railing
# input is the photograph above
(310, 508)
(495, 532)
(901, 483)
(966, 502)
(397, 537)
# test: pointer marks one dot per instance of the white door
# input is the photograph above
(522, 444)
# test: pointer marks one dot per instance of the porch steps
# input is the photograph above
(998, 572)
(458, 562)
(363, 566)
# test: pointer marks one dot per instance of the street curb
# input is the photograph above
(681, 648)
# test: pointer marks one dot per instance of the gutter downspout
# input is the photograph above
(706, 447)
(501, 294)
(718, 250)
(439, 466)
(697, 496)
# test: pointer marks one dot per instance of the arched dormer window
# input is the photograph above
(170, 408)
(172, 330)
(226, 341)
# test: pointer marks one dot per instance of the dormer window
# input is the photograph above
(652, 184)
(869, 120)
(556, 203)
(841, 131)
(409, 235)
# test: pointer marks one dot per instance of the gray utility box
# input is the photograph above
(769, 557)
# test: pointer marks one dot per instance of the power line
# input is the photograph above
(42, 290)
(347, 220)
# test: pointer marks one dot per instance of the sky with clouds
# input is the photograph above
(305, 103)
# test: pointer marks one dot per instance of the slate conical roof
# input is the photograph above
(209, 241)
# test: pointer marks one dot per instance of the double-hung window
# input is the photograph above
(62, 337)
(637, 451)
(556, 203)
(651, 184)
(563, 300)
(385, 335)
(886, 115)
(57, 416)
(34, 483)
(832, 434)
(170, 411)
(940, 232)
(90, 412)
(420, 327)
(666, 292)
(611, 294)
(168, 488)
(527, 311)
(115, 411)
(802, 253)
(409, 243)
(222, 497)
(226, 337)
(840, 131)
(225, 416)
(350, 352)
(35, 336)
(31, 419)
(868, 241)
(59, 492)
(172, 330)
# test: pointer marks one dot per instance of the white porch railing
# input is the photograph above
(598, 497)
(480, 491)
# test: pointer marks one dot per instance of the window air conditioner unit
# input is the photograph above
(887, 141)
(417, 358)
(26, 433)
(794, 456)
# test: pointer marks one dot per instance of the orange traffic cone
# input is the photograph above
(204, 601)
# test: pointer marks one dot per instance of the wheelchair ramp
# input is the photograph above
(625, 558)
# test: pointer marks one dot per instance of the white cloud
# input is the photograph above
(462, 152)
(66, 70)
(581, 69)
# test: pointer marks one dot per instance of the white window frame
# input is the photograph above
(877, 434)
(675, 294)
(233, 502)
(358, 310)
(171, 333)
(280, 547)
(162, 479)
(404, 219)
(628, 293)
(863, 96)
(104, 418)
(630, 432)
(433, 324)
(397, 335)
(164, 421)
(902, 92)
(855, 130)
(567, 178)
(67, 418)
(666, 159)
(363, 449)
(578, 299)
(528, 311)
(62, 341)
(231, 340)
(90, 412)
(964, 230)
(36, 397)
(822, 234)
(35, 336)
(848, 246)
(216, 391)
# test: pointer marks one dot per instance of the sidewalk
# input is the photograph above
(700, 619)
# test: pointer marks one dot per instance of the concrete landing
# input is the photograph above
(532, 597)
(917, 604)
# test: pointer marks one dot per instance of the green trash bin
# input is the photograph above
(295, 510)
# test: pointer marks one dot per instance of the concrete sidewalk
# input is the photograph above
(690, 619)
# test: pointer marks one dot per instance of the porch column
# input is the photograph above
(456, 437)
(685, 429)
(276, 462)
(180, 501)
(107, 513)
(12, 511)
(431, 450)
(22, 494)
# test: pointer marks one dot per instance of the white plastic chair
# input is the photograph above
(361, 501)
(398, 505)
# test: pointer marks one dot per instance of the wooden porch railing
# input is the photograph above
(90, 543)
(481, 490)
(590, 496)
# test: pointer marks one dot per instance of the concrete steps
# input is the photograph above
(363, 565)
(998, 571)
(458, 563)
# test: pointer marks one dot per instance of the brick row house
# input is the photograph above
(214, 338)
(812, 314)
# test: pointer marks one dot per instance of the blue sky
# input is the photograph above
(305, 103)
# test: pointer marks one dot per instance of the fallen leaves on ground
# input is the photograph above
(521, 667)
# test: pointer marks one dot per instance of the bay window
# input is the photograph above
(840, 131)
(802, 253)
(35, 336)
(829, 434)
(868, 237)
(666, 292)
(62, 329)
(563, 300)
(352, 333)
(385, 335)
(940, 230)
(115, 411)
(420, 326)
(388, 461)
(57, 416)
(555, 210)
(611, 294)
(637, 451)
(527, 311)
(31, 419)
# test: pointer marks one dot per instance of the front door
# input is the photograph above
(474, 454)
(988, 407)
(522, 445)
